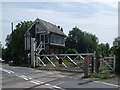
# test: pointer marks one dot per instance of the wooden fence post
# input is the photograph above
(32, 53)
(97, 63)
(86, 66)
(92, 65)
(114, 63)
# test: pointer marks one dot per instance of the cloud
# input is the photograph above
(112, 3)
(96, 18)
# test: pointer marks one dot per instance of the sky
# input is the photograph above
(99, 18)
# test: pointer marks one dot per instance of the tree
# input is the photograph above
(81, 41)
(103, 49)
(15, 42)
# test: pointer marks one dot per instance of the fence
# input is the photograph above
(107, 63)
(76, 62)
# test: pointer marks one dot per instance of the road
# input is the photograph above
(25, 78)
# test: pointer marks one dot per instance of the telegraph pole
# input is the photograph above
(12, 27)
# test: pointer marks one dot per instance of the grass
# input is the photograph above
(100, 75)
(105, 67)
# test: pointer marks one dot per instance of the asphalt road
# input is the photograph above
(28, 79)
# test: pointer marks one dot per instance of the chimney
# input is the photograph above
(58, 27)
(62, 29)
(12, 26)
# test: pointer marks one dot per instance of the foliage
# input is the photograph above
(105, 67)
(100, 75)
(103, 49)
(71, 51)
(81, 41)
(15, 43)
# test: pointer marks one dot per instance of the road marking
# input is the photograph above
(47, 84)
(56, 87)
(107, 83)
(35, 82)
(10, 71)
(7, 71)
(23, 77)
(38, 81)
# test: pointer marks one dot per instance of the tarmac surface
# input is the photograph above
(24, 78)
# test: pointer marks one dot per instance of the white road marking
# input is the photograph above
(38, 81)
(10, 71)
(30, 78)
(35, 82)
(107, 83)
(56, 87)
(48, 84)
(7, 71)
(24, 77)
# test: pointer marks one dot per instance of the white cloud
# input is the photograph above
(102, 23)
(112, 3)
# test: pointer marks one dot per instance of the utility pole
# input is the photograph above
(12, 27)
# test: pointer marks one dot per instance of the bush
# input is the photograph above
(71, 51)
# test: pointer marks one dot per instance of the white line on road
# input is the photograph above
(10, 71)
(7, 71)
(35, 82)
(30, 78)
(47, 84)
(24, 77)
(56, 87)
(107, 83)
(39, 82)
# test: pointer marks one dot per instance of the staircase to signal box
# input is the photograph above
(40, 47)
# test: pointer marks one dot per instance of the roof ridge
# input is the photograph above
(50, 26)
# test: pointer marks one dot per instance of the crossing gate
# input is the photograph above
(74, 62)
(107, 63)
(83, 62)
